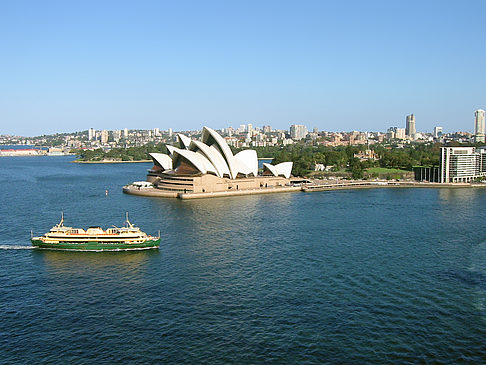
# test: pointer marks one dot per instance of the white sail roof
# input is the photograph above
(198, 160)
(247, 162)
(210, 135)
(162, 160)
(213, 155)
(184, 141)
(171, 149)
(282, 169)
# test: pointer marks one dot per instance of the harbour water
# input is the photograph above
(375, 275)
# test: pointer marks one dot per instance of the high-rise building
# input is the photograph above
(156, 132)
(298, 131)
(169, 132)
(104, 136)
(396, 133)
(400, 133)
(479, 125)
(249, 128)
(437, 132)
(91, 134)
(267, 129)
(410, 126)
(125, 133)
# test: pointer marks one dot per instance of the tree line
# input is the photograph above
(303, 156)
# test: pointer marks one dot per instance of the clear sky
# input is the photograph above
(336, 65)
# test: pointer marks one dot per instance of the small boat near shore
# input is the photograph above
(95, 238)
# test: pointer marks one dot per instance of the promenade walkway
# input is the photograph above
(316, 185)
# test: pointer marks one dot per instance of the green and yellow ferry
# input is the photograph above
(95, 238)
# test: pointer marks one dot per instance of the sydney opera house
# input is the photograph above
(209, 166)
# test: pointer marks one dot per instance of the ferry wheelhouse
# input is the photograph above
(95, 238)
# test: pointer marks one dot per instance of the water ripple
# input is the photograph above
(370, 276)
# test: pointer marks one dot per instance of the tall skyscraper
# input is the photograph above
(298, 131)
(125, 133)
(479, 125)
(91, 134)
(410, 126)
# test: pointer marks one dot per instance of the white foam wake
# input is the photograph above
(16, 247)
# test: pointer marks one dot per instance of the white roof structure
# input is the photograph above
(212, 155)
(211, 138)
(282, 169)
(197, 160)
(171, 149)
(162, 160)
(247, 161)
(184, 141)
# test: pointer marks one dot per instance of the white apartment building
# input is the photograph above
(396, 133)
(462, 164)
(298, 131)
(104, 136)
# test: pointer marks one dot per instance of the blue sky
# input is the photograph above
(336, 65)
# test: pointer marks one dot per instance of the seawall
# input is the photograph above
(318, 186)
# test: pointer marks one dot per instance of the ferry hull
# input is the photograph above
(97, 246)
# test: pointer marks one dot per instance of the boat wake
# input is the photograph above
(16, 247)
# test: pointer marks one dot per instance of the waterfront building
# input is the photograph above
(410, 126)
(438, 132)
(479, 125)
(298, 131)
(209, 165)
(462, 164)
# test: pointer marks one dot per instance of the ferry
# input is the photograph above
(95, 238)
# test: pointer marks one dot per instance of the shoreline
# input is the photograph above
(110, 161)
(153, 192)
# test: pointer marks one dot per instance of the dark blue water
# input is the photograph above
(377, 276)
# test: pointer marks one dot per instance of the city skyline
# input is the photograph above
(111, 64)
